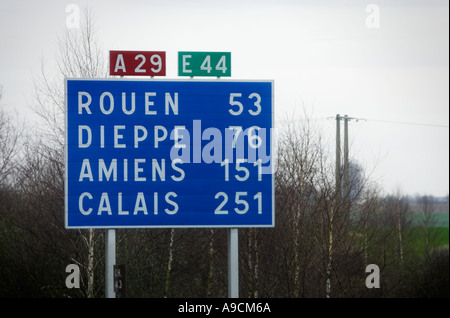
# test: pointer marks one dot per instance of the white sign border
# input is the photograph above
(66, 174)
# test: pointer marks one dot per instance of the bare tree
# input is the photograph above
(331, 212)
(427, 220)
(369, 207)
(397, 213)
(319, 240)
(79, 56)
(211, 251)
(298, 156)
(169, 263)
(10, 133)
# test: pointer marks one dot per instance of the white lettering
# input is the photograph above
(80, 203)
(124, 205)
(120, 64)
(102, 136)
(137, 170)
(124, 103)
(178, 169)
(157, 168)
(185, 63)
(173, 104)
(104, 204)
(155, 203)
(82, 128)
(149, 103)
(140, 204)
(118, 136)
(157, 137)
(107, 172)
(137, 139)
(119, 199)
(177, 137)
(86, 171)
(125, 169)
(174, 204)
(82, 105)
(111, 103)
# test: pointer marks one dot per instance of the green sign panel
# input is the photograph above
(204, 64)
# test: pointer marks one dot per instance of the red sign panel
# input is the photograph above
(140, 63)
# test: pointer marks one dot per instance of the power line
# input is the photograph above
(394, 122)
(406, 123)
(366, 119)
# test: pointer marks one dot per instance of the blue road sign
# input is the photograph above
(168, 153)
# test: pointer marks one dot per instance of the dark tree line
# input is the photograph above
(315, 250)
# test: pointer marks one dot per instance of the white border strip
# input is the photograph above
(66, 159)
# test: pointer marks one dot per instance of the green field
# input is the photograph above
(439, 232)
(439, 219)
(442, 234)
(438, 238)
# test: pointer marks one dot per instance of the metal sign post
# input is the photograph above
(233, 263)
(110, 261)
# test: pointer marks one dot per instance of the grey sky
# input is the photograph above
(320, 53)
